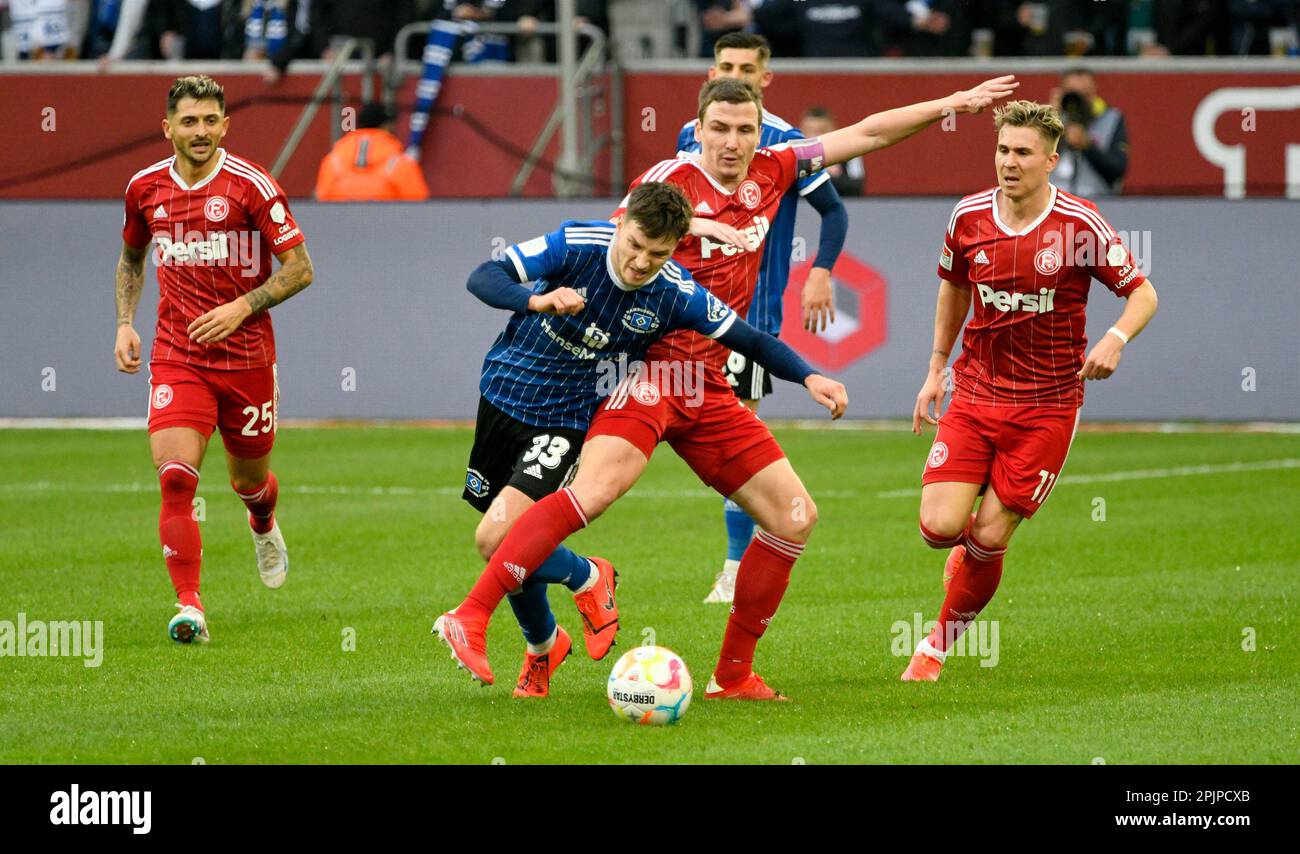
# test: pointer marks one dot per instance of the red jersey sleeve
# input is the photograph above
(1112, 263)
(135, 228)
(273, 218)
(952, 260)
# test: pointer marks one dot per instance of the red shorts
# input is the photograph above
(718, 436)
(244, 405)
(1017, 450)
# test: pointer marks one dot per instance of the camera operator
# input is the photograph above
(1094, 149)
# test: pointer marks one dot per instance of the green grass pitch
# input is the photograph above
(1165, 633)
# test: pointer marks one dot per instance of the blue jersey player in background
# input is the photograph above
(600, 294)
(744, 56)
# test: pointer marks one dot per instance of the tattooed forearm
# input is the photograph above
(130, 282)
(295, 273)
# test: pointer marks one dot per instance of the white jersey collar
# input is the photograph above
(1005, 229)
(203, 182)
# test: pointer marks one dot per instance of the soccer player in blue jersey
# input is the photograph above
(600, 295)
(744, 56)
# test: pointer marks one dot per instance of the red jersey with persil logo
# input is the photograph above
(213, 241)
(1024, 343)
(729, 273)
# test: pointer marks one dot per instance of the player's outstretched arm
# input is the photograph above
(949, 314)
(1104, 358)
(881, 130)
(295, 273)
(130, 283)
(494, 284)
(784, 363)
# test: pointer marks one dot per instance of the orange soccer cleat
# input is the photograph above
(535, 678)
(751, 688)
(468, 642)
(598, 610)
(956, 558)
(922, 668)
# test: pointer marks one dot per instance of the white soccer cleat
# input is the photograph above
(724, 589)
(272, 555)
(188, 626)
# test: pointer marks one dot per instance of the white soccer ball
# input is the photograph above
(650, 685)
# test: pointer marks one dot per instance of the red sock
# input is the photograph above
(531, 540)
(261, 503)
(968, 593)
(179, 533)
(761, 581)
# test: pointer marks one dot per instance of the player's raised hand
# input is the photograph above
(828, 393)
(127, 349)
(561, 301)
(220, 322)
(985, 94)
(1103, 360)
(931, 395)
(720, 233)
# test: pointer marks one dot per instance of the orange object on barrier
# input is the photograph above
(368, 165)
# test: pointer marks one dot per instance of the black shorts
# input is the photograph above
(507, 452)
(748, 379)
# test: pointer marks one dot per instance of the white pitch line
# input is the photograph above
(1140, 474)
(455, 491)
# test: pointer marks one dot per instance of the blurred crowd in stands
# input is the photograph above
(275, 30)
(925, 28)
(283, 30)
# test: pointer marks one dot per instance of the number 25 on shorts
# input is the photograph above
(267, 416)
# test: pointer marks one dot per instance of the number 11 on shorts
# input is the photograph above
(1046, 480)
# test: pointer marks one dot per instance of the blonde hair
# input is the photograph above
(1029, 114)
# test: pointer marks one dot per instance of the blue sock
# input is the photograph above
(533, 612)
(740, 529)
(563, 567)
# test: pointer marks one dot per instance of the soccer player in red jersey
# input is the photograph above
(744, 56)
(1025, 253)
(725, 443)
(216, 220)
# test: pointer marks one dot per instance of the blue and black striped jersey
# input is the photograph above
(550, 370)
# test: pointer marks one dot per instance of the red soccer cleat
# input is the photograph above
(751, 688)
(468, 642)
(922, 668)
(598, 610)
(535, 678)
(956, 558)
